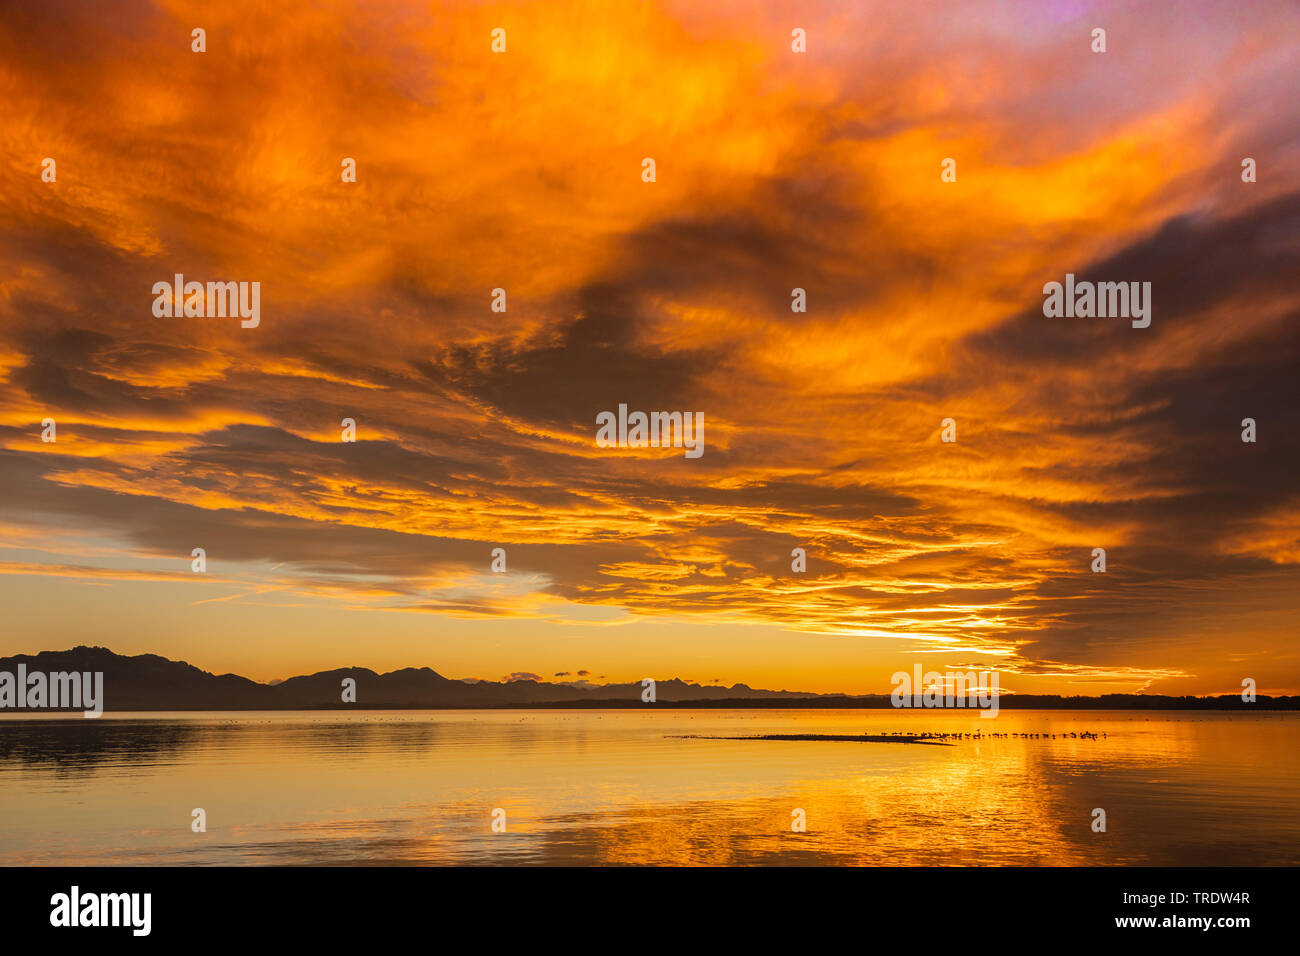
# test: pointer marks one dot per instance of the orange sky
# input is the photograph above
(476, 429)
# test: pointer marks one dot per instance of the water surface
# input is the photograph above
(622, 786)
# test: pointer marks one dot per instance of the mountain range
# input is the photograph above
(148, 682)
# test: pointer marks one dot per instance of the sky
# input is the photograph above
(476, 429)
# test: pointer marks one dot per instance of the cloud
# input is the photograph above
(475, 428)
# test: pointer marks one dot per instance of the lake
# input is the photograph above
(619, 787)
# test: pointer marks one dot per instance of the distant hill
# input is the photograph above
(1006, 702)
(149, 682)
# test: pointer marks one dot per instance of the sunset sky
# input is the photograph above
(476, 429)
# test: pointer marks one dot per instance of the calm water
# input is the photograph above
(614, 787)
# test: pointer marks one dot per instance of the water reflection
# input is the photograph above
(627, 787)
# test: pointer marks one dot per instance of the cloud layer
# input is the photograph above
(775, 170)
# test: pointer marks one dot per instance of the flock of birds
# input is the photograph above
(979, 735)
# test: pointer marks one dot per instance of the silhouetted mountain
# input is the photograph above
(149, 682)
(1005, 702)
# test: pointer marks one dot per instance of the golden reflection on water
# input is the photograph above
(618, 787)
